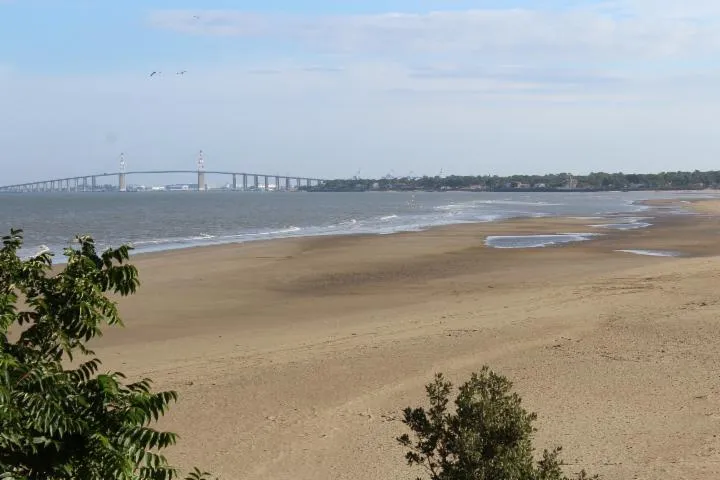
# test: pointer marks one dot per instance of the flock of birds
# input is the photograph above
(181, 72)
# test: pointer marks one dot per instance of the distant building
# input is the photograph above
(178, 187)
(571, 184)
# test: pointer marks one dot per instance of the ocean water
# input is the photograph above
(170, 220)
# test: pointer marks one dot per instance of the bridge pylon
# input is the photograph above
(202, 186)
(122, 183)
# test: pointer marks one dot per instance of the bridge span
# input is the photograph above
(89, 183)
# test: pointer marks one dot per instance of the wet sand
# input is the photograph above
(294, 358)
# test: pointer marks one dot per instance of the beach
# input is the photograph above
(294, 358)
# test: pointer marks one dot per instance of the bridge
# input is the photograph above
(89, 183)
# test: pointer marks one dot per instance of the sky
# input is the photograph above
(329, 88)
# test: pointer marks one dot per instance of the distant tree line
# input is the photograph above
(594, 181)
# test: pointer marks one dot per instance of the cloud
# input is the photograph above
(616, 86)
(614, 51)
(374, 115)
(616, 31)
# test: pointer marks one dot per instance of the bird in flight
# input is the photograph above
(155, 73)
(182, 72)
(196, 17)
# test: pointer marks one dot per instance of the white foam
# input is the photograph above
(536, 241)
(476, 203)
(622, 226)
(281, 232)
(453, 206)
(487, 218)
(519, 202)
(651, 253)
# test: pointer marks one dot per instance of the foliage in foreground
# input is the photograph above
(487, 437)
(59, 422)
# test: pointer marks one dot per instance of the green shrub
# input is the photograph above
(59, 422)
(488, 436)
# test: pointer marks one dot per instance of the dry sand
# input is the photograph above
(294, 358)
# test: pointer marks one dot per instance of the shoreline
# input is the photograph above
(607, 240)
(543, 223)
(443, 227)
(455, 212)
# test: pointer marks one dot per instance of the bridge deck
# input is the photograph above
(29, 185)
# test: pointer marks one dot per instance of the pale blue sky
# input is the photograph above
(324, 88)
(90, 36)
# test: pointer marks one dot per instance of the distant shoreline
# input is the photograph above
(518, 190)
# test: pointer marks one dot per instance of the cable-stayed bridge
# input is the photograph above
(90, 183)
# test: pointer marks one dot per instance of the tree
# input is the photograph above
(487, 437)
(62, 422)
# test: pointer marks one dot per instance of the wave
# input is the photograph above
(652, 253)
(273, 232)
(623, 226)
(536, 241)
(453, 206)
(393, 218)
(485, 203)
(520, 202)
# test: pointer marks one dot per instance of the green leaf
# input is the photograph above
(61, 423)
(487, 436)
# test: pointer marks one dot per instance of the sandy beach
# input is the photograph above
(294, 358)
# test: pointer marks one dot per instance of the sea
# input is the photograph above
(157, 221)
